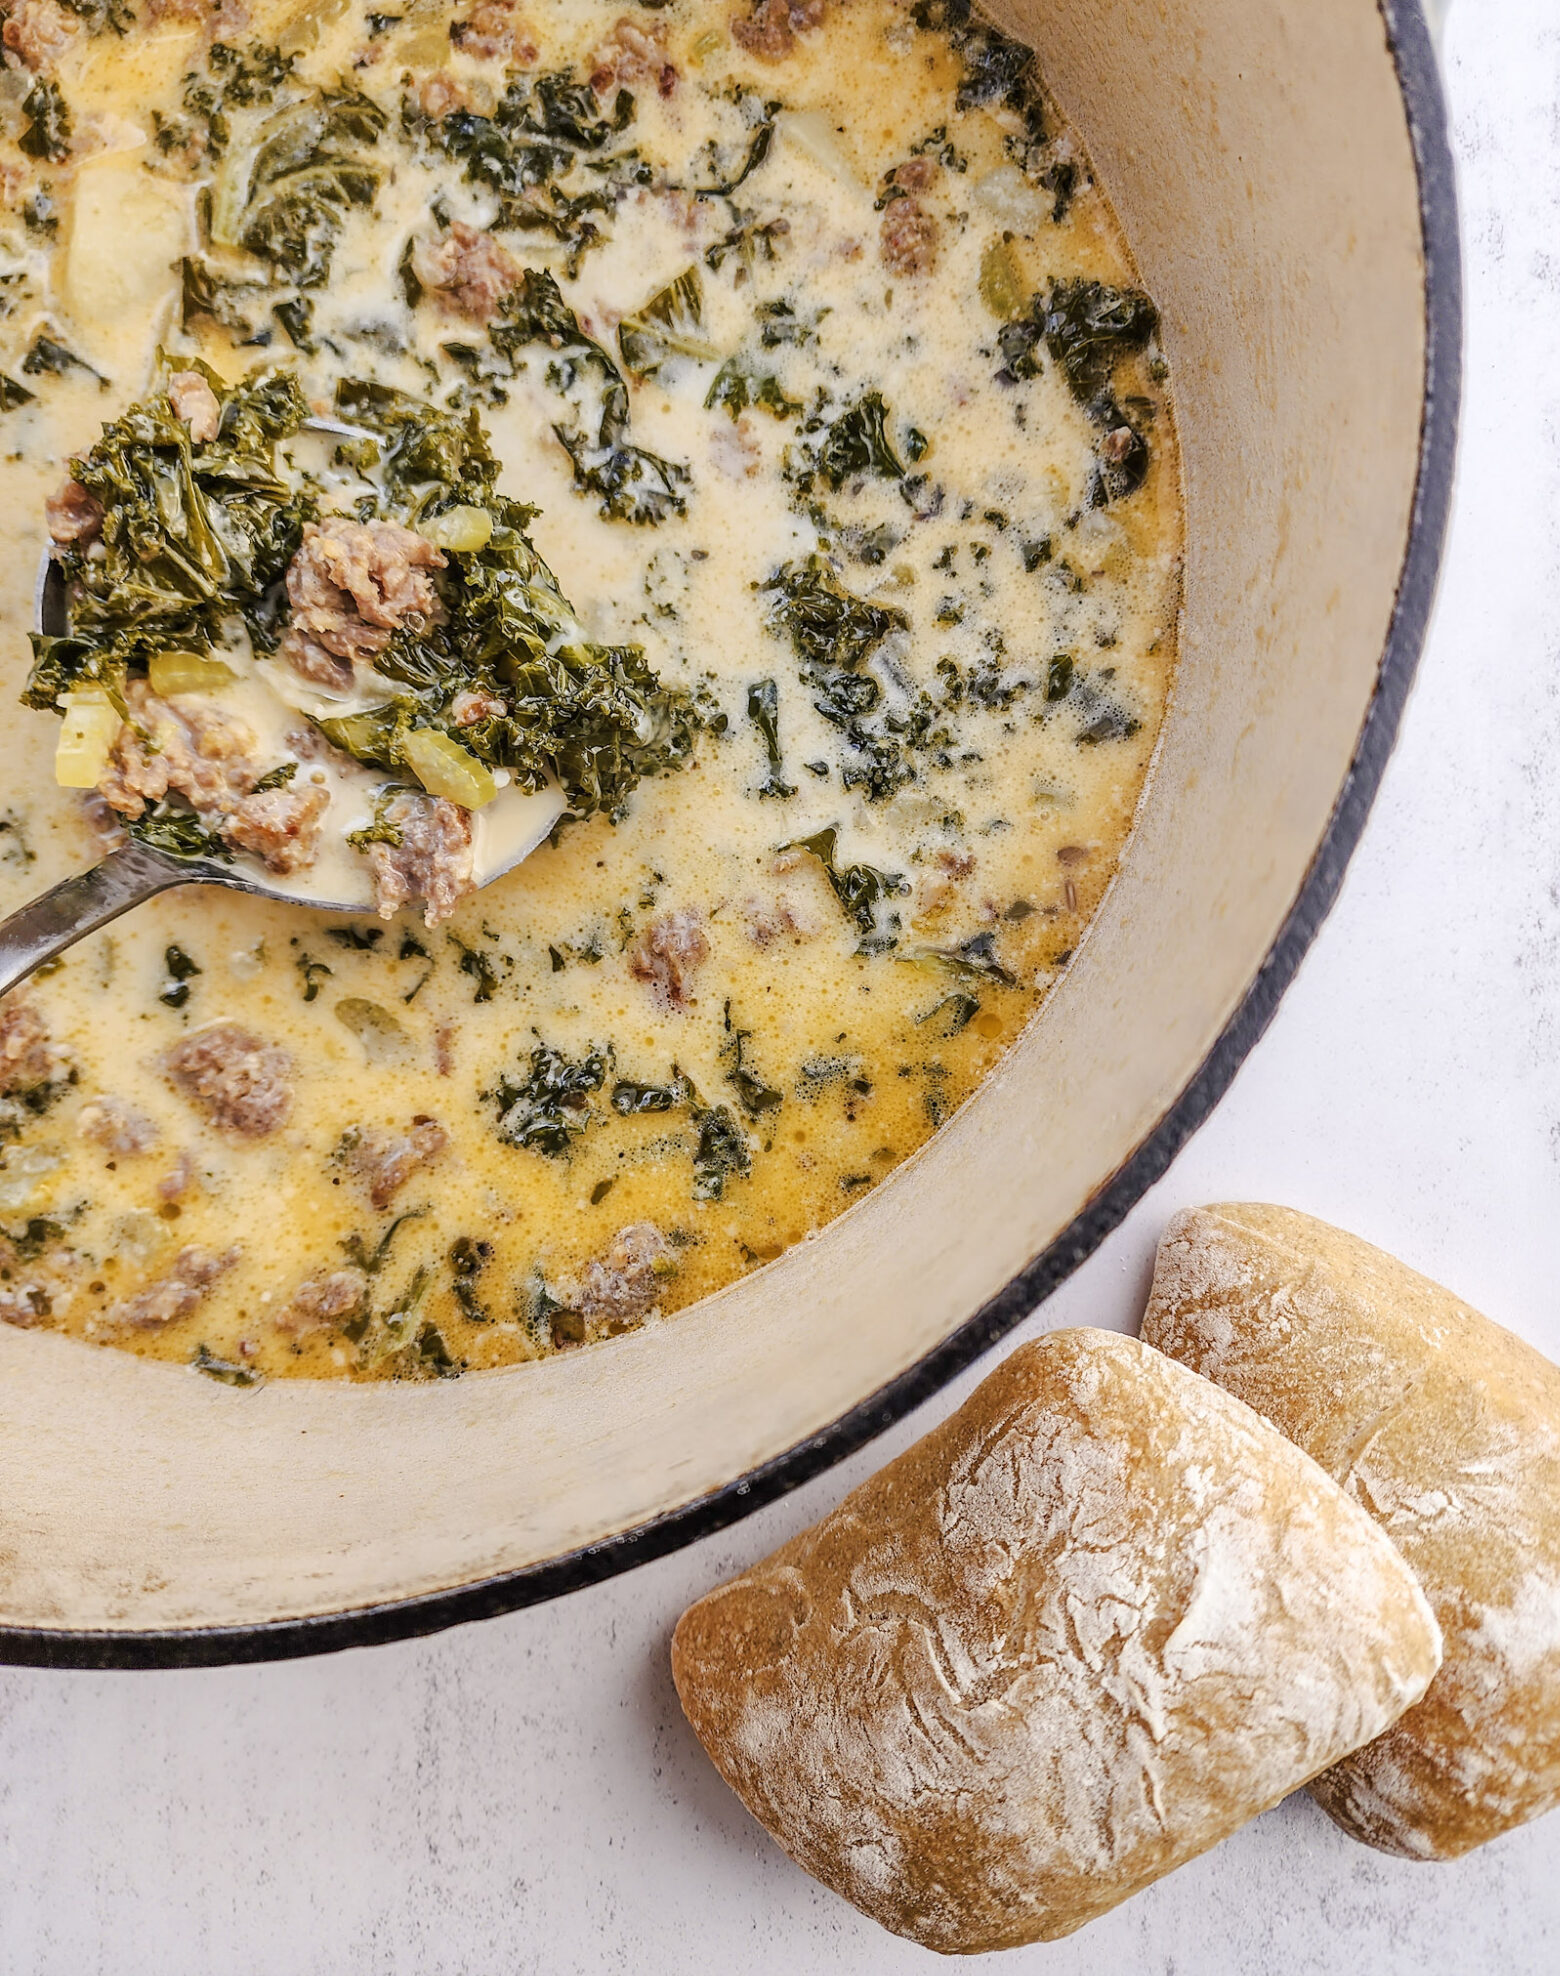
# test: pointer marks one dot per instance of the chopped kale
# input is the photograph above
(758, 150)
(13, 394)
(779, 325)
(175, 831)
(468, 1259)
(314, 974)
(721, 1153)
(631, 1100)
(192, 535)
(250, 75)
(633, 485)
(974, 959)
(227, 1372)
(736, 387)
(545, 133)
(763, 705)
(857, 444)
(593, 718)
(861, 890)
(550, 1105)
(372, 1260)
(957, 1009)
(49, 357)
(832, 632)
(478, 966)
(749, 241)
(48, 131)
(756, 1097)
(286, 204)
(360, 939)
(181, 971)
(1089, 329)
(671, 324)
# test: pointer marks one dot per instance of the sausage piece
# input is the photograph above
(241, 1083)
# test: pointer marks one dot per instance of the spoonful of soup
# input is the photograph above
(315, 658)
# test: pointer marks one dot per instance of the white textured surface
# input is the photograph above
(523, 1796)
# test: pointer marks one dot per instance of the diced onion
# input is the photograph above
(1016, 203)
(465, 530)
(384, 1040)
(814, 136)
(86, 736)
(445, 768)
(187, 672)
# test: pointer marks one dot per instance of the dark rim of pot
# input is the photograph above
(1419, 78)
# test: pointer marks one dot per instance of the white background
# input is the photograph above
(524, 1795)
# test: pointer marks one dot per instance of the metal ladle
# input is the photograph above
(77, 906)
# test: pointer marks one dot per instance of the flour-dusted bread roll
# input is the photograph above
(1447, 1429)
(1085, 1629)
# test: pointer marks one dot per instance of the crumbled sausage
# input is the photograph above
(385, 1161)
(669, 952)
(491, 30)
(439, 93)
(195, 402)
(24, 1305)
(175, 1295)
(241, 1083)
(28, 1058)
(192, 749)
(619, 1288)
(73, 514)
(432, 862)
(119, 1128)
(320, 1302)
(280, 826)
(37, 32)
(770, 30)
(352, 586)
(937, 889)
(908, 237)
(780, 918)
(176, 1182)
(467, 708)
(634, 51)
(466, 268)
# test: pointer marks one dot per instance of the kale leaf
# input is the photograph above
(192, 533)
(857, 443)
(543, 132)
(671, 324)
(550, 1105)
(594, 718)
(861, 890)
(1089, 329)
(763, 705)
(720, 1154)
(736, 386)
(48, 131)
(633, 485)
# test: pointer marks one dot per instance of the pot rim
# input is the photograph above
(1410, 41)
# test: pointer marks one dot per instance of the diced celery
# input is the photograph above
(445, 768)
(1001, 284)
(464, 530)
(86, 736)
(187, 672)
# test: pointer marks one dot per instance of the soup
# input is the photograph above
(791, 364)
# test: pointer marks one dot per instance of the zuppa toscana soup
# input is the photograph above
(742, 433)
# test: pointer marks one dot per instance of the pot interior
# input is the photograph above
(1258, 155)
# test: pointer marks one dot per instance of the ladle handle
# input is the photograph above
(78, 906)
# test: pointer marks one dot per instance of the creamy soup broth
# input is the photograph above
(687, 1033)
